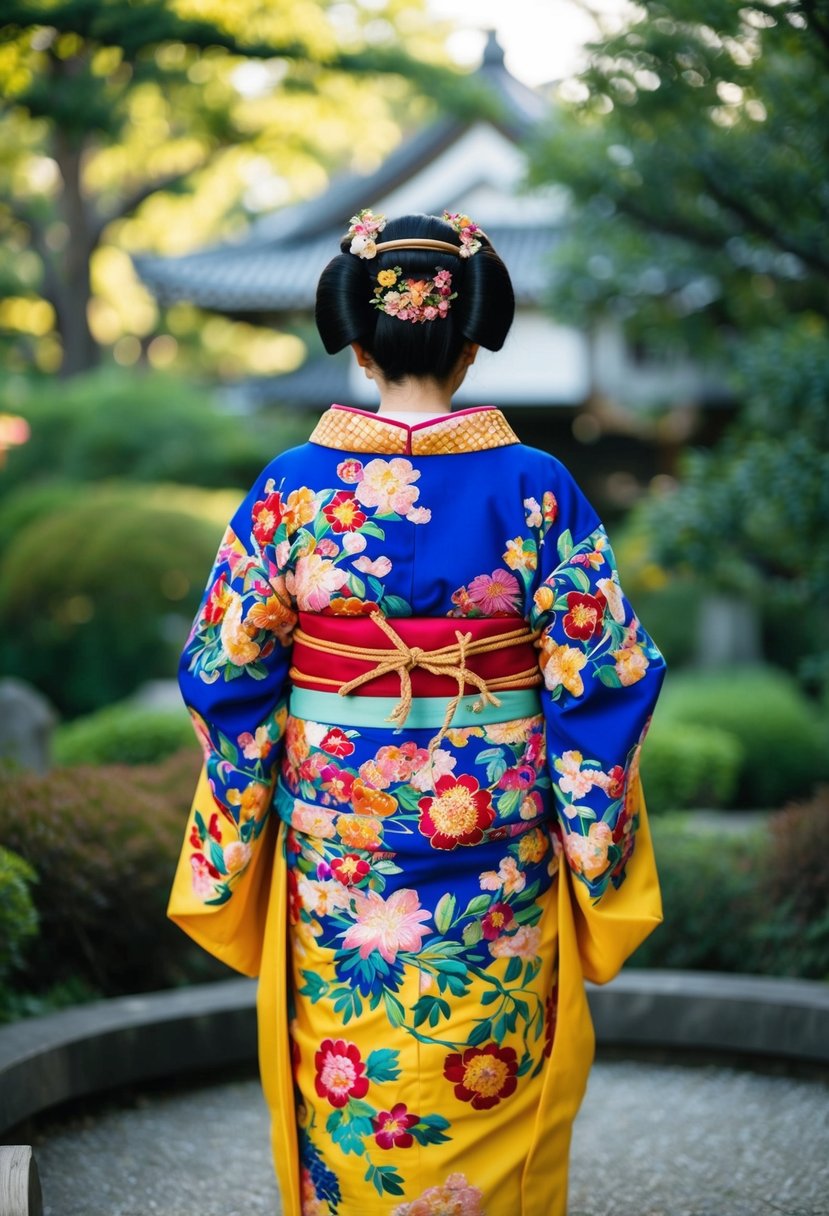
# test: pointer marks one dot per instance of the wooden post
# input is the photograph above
(19, 1182)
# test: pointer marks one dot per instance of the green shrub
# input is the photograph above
(142, 425)
(685, 766)
(795, 934)
(105, 842)
(784, 743)
(712, 897)
(97, 596)
(18, 918)
(123, 734)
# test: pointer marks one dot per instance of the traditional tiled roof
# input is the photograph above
(282, 277)
(275, 266)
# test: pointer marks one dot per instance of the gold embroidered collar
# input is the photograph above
(473, 430)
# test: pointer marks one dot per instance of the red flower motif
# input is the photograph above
(343, 512)
(520, 778)
(499, 919)
(267, 516)
(294, 898)
(203, 863)
(482, 1075)
(585, 616)
(339, 1072)
(195, 837)
(459, 812)
(617, 782)
(391, 1127)
(337, 743)
(350, 870)
(217, 601)
(214, 829)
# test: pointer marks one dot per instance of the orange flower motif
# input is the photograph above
(271, 614)
(517, 557)
(252, 800)
(360, 831)
(236, 640)
(349, 605)
(544, 598)
(532, 846)
(367, 801)
(561, 665)
(300, 509)
(631, 664)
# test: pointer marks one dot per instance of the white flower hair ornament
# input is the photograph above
(363, 230)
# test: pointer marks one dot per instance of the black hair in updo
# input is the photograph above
(481, 313)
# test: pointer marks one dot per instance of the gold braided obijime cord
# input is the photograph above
(445, 661)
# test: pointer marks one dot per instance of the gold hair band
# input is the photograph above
(419, 243)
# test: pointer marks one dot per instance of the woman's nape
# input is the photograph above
(416, 394)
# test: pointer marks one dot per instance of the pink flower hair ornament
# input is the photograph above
(415, 300)
(467, 230)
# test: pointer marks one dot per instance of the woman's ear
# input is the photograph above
(364, 360)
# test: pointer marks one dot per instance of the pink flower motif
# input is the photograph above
(313, 820)
(419, 515)
(575, 780)
(387, 925)
(524, 944)
(354, 542)
(316, 579)
(350, 471)
(587, 855)
(202, 878)
(326, 547)
(496, 594)
(454, 1196)
(508, 877)
(379, 567)
(387, 485)
(339, 1070)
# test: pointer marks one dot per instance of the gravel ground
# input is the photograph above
(651, 1140)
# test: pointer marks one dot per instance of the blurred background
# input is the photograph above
(174, 174)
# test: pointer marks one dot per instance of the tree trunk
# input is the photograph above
(73, 287)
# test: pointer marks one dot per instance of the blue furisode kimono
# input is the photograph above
(421, 694)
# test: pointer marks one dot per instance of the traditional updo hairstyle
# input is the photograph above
(481, 313)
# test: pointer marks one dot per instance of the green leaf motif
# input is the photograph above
(445, 912)
(514, 968)
(609, 676)
(565, 545)
(431, 1130)
(382, 1065)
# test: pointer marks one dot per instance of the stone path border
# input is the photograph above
(92, 1048)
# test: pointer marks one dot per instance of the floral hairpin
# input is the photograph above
(365, 226)
(466, 230)
(413, 300)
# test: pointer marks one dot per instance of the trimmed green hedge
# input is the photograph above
(123, 734)
(97, 594)
(104, 842)
(784, 741)
(686, 766)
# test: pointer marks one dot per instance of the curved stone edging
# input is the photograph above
(91, 1048)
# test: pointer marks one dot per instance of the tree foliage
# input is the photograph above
(696, 155)
(114, 104)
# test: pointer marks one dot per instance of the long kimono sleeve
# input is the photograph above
(233, 677)
(602, 675)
